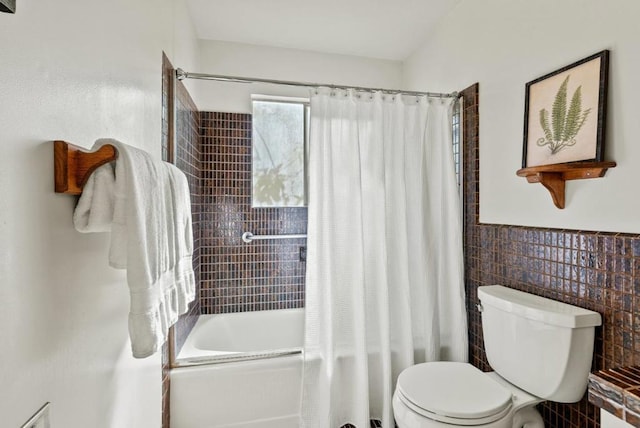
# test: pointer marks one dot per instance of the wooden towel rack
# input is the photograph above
(73, 165)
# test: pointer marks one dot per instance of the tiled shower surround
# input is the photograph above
(594, 270)
(186, 156)
(238, 276)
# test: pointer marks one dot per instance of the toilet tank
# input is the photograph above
(540, 345)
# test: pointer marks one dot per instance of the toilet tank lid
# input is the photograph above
(537, 308)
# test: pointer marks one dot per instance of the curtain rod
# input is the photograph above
(181, 75)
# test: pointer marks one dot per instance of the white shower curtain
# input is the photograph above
(384, 286)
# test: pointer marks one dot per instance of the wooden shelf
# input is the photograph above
(553, 177)
(73, 165)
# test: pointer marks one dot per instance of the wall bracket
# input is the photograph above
(73, 165)
(553, 177)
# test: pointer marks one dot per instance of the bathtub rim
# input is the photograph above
(190, 355)
(242, 356)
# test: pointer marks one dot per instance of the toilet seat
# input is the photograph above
(453, 393)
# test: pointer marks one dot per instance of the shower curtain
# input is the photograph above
(384, 285)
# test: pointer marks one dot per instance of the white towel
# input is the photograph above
(94, 212)
(148, 210)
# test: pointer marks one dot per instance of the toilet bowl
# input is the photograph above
(539, 349)
(460, 395)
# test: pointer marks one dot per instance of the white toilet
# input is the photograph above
(540, 350)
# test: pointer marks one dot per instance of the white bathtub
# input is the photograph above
(240, 370)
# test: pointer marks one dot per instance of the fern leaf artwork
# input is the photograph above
(559, 110)
(566, 122)
(544, 122)
(573, 115)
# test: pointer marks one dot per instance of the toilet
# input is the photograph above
(539, 349)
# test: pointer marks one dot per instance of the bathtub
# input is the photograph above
(240, 370)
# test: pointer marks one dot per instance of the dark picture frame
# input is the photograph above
(565, 113)
(8, 6)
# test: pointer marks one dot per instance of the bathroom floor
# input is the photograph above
(374, 424)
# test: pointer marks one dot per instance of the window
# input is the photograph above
(278, 155)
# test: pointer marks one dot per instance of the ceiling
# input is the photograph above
(386, 29)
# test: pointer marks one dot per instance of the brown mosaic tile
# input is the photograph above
(632, 399)
(166, 358)
(188, 158)
(632, 418)
(608, 387)
(187, 153)
(165, 386)
(606, 404)
(617, 391)
(236, 276)
(629, 375)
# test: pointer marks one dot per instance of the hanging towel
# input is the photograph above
(94, 212)
(147, 208)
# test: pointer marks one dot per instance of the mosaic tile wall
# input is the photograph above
(238, 276)
(594, 270)
(166, 358)
(617, 390)
(187, 157)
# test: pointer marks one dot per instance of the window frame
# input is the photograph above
(305, 102)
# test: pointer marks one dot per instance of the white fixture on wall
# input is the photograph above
(41, 418)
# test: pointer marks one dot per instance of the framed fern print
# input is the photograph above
(565, 114)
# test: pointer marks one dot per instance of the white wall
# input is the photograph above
(75, 70)
(503, 44)
(243, 60)
(184, 51)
